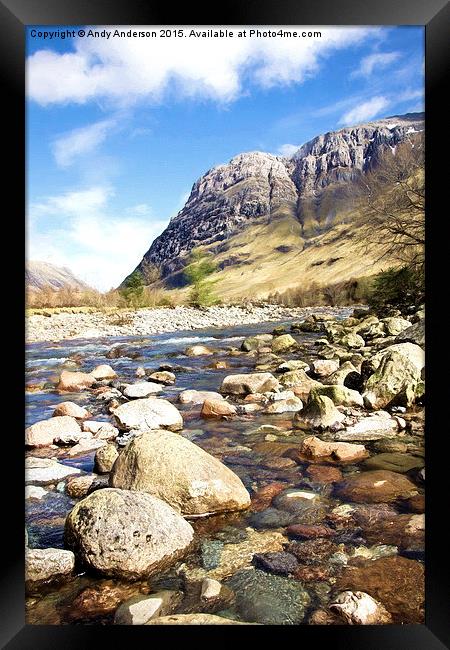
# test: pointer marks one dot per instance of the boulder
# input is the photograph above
(340, 395)
(324, 367)
(413, 334)
(293, 364)
(78, 486)
(174, 469)
(85, 445)
(395, 325)
(103, 372)
(197, 396)
(358, 608)
(44, 432)
(100, 430)
(290, 405)
(197, 351)
(105, 458)
(141, 389)
(217, 408)
(73, 382)
(313, 447)
(257, 382)
(320, 413)
(126, 535)
(34, 492)
(46, 565)
(338, 376)
(283, 343)
(46, 470)
(377, 486)
(351, 340)
(145, 414)
(255, 342)
(373, 427)
(163, 377)
(71, 410)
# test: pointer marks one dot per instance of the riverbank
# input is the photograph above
(64, 325)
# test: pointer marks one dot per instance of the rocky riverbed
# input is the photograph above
(256, 473)
(53, 326)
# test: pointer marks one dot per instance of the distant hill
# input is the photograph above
(41, 275)
(273, 222)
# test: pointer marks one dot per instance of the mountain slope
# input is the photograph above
(274, 222)
(41, 275)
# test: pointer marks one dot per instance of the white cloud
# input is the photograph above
(410, 94)
(365, 111)
(101, 247)
(374, 62)
(288, 149)
(126, 70)
(69, 146)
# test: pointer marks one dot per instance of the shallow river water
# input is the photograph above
(249, 445)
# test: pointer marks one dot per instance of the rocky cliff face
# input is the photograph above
(254, 186)
(39, 275)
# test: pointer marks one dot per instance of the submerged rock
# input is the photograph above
(396, 582)
(194, 619)
(358, 608)
(269, 599)
(378, 486)
(395, 462)
(174, 469)
(138, 610)
(126, 534)
(280, 563)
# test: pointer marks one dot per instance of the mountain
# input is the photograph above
(41, 275)
(271, 221)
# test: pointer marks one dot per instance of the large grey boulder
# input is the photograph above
(174, 469)
(395, 376)
(125, 534)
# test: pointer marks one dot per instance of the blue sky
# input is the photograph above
(119, 129)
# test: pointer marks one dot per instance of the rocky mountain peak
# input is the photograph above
(257, 185)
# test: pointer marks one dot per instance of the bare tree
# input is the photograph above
(393, 203)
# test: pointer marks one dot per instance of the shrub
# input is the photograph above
(400, 289)
(196, 273)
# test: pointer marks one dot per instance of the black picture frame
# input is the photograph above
(435, 16)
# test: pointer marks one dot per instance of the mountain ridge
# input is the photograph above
(305, 189)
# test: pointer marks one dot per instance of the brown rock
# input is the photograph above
(262, 498)
(379, 486)
(313, 551)
(324, 617)
(44, 432)
(398, 583)
(313, 447)
(309, 531)
(324, 474)
(75, 381)
(78, 486)
(217, 408)
(71, 409)
(404, 531)
(100, 600)
(103, 372)
(312, 573)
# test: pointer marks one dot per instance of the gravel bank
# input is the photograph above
(62, 326)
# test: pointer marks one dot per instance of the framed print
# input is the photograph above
(229, 263)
